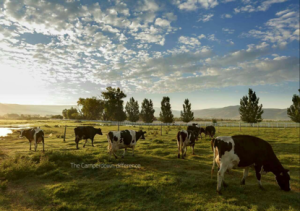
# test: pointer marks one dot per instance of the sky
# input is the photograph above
(209, 51)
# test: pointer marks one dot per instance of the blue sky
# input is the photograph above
(210, 51)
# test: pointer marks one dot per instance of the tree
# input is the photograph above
(113, 104)
(147, 112)
(56, 117)
(64, 113)
(250, 111)
(132, 109)
(91, 108)
(166, 115)
(72, 113)
(294, 110)
(187, 115)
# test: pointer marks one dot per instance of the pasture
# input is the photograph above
(48, 181)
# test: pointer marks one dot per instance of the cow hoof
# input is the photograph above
(242, 182)
(122, 156)
(219, 192)
(83, 146)
(93, 145)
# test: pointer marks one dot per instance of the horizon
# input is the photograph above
(210, 52)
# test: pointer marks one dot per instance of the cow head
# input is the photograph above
(22, 133)
(140, 135)
(283, 180)
(99, 131)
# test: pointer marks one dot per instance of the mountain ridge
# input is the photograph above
(228, 112)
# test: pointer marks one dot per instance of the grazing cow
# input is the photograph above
(123, 139)
(184, 139)
(210, 130)
(33, 134)
(244, 151)
(86, 132)
(195, 127)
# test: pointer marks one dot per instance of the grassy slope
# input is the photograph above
(46, 181)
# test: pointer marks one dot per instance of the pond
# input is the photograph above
(5, 131)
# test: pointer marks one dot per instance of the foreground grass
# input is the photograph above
(47, 181)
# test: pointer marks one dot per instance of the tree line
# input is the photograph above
(110, 108)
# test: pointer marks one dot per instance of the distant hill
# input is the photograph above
(229, 112)
(32, 109)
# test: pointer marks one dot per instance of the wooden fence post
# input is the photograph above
(65, 133)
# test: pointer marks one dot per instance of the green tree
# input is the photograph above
(249, 109)
(187, 115)
(294, 110)
(113, 104)
(64, 113)
(147, 112)
(132, 110)
(166, 115)
(91, 108)
(72, 113)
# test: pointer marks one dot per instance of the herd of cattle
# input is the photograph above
(229, 152)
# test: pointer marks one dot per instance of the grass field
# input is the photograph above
(47, 181)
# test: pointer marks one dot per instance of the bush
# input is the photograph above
(214, 121)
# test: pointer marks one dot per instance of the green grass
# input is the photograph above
(46, 181)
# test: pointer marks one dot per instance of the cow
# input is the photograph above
(33, 134)
(186, 138)
(86, 132)
(244, 151)
(210, 130)
(122, 140)
(195, 127)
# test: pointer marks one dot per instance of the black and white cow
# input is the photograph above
(195, 127)
(86, 132)
(122, 140)
(210, 130)
(186, 138)
(244, 151)
(33, 134)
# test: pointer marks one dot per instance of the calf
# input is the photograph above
(123, 139)
(210, 130)
(244, 151)
(33, 134)
(184, 139)
(86, 132)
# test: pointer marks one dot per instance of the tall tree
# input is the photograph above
(64, 113)
(91, 108)
(166, 115)
(249, 109)
(147, 112)
(113, 104)
(132, 110)
(187, 115)
(72, 113)
(294, 110)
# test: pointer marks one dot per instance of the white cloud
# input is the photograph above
(251, 6)
(229, 31)
(226, 16)
(206, 18)
(202, 36)
(190, 5)
(189, 41)
(162, 22)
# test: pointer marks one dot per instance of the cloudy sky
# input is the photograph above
(210, 51)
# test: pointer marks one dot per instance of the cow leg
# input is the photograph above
(246, 170)
(35, 147)
(124, 152)
(221, 173)
(76, 141)
(258, 175)
(85, 143)
(43, 144)
(29, 145)
(178, 144)
(92, 142)
(183, 151)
